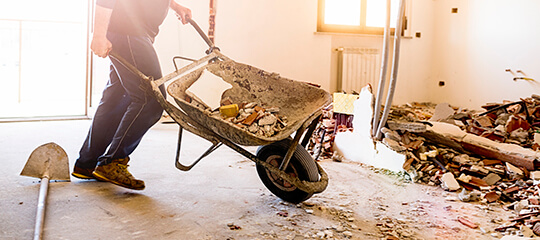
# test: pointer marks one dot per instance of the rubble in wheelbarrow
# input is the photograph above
(253, 117)
(475, 173)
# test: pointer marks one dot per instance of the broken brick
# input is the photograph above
(407, 164)
(249, 120)
(488, 162)
(491, 197)
(484, 121)
(516, 122)
(258, 109)
(467, 222)
(511, 189)
(226, 101)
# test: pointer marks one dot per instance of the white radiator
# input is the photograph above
(358, 67)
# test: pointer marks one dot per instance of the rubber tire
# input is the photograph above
(301, 163)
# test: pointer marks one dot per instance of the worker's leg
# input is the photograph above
(143, 111)
(110, 111)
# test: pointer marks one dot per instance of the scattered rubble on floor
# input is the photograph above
(252, 117)
(476, 172)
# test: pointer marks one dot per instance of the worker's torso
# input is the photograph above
(138, 17)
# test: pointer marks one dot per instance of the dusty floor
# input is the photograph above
(220, 193)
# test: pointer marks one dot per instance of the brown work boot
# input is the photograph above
(116, 172)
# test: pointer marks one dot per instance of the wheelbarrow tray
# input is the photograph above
(297, 101)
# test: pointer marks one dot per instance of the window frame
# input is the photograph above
(362, 28)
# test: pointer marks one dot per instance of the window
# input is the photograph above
(356, 16)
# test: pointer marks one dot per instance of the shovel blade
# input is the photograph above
(48, 160)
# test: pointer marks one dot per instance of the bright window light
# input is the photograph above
(376, 14)
(342, 12)
(359, 16)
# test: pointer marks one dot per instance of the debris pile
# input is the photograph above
(252, 117)
(487, 178)
(322, 141)
(507, 122)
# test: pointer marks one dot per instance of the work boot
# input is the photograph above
(82, 173)
(116, 172)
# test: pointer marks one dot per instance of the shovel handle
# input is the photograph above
(42, 201)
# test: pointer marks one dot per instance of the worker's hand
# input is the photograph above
(183, 13)
(101, 46)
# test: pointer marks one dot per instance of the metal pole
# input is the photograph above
(42, 201)
(395, 67)
(339, 84)
(384, 69)
(212, 20)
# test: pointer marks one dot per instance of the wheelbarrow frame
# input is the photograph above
(186, 122)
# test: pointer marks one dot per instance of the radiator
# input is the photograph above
(357, 67)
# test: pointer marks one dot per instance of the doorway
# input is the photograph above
(43, 59)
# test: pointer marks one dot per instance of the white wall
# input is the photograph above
(474, 47)
(468, 50)
(279, 36)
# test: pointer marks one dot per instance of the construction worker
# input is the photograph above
(127, 108)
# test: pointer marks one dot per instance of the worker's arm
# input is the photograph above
(100, 45)
(182, 12)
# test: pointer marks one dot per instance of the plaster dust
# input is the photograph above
(222, 193)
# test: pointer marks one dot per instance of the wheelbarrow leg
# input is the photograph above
(310, 131)
(292, 148)
(188, 167)
(312, 124)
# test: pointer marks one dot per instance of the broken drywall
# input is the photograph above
(358, 146)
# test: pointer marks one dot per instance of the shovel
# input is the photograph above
(47, 162)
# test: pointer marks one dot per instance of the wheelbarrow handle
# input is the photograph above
(201, 32)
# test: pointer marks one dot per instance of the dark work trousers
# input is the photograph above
(127, 108)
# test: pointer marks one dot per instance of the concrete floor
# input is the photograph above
(223, 189)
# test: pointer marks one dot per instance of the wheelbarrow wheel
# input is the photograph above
(301, 165)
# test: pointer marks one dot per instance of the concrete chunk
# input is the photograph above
(442, 112)
(414, 127)
(492, 178)
(449, 182)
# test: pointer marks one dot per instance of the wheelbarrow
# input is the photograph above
(282, 162)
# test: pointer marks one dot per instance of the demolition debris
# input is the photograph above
(488, 157)
(482, 172)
